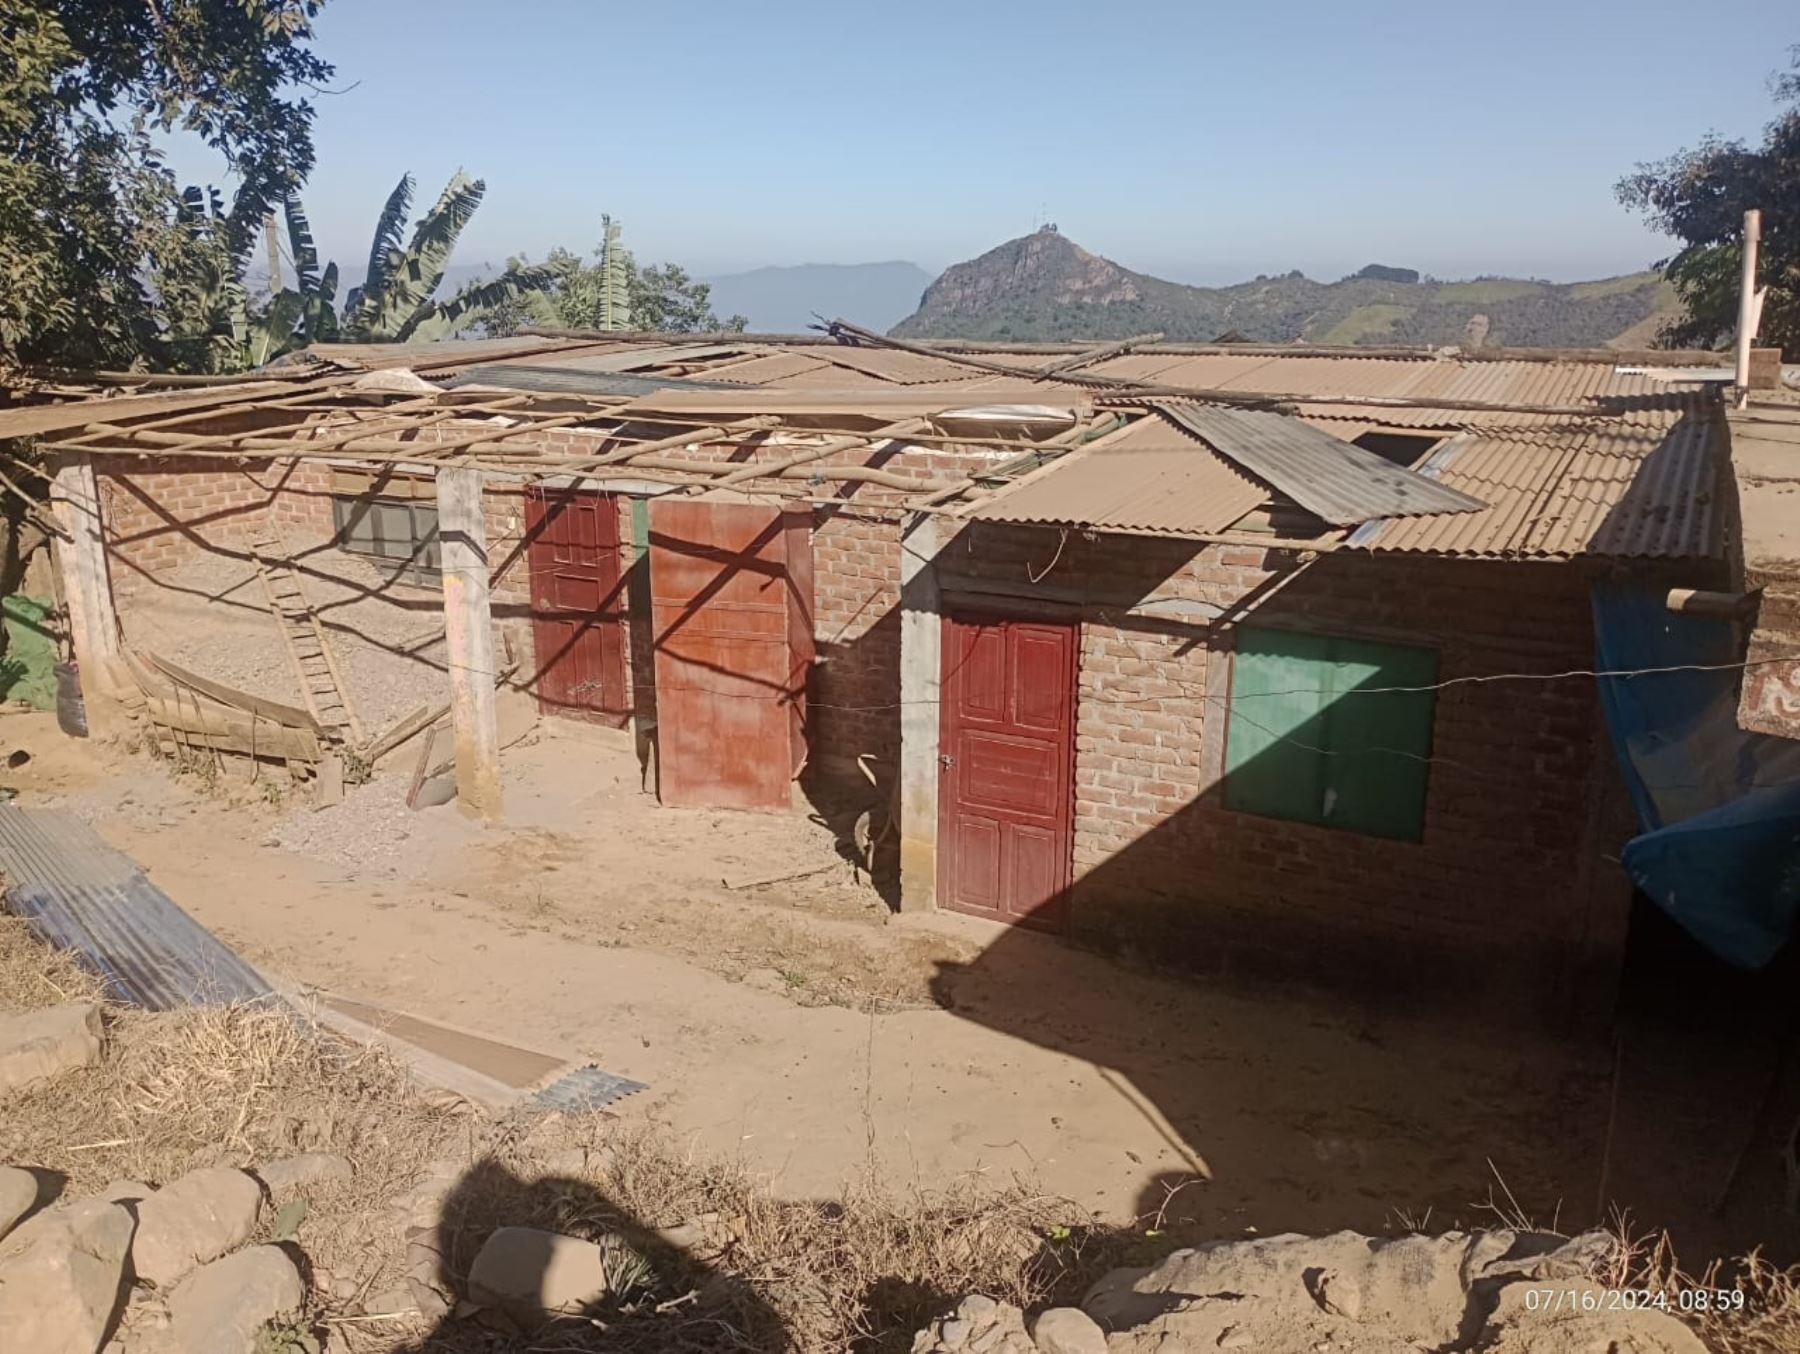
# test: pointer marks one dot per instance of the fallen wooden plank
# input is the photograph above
(192, 719)
(420, 719)
(261, 746)
(290, 715)
(742, 884)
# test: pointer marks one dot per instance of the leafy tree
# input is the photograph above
(665, 298)
(613, 293)
(93, 228)
(1700, 197)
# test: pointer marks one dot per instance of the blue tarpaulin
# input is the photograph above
(1719, 806)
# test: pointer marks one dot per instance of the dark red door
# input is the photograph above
(1005, 799)
(731, 611)
(577, 603)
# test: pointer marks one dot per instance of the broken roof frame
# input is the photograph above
(321, 412)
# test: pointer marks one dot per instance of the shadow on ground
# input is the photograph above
(657, 1294)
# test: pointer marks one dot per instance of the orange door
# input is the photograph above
(731, 614)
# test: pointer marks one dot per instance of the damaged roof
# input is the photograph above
(1334, 480)
(1150, 479)
(1539, 455)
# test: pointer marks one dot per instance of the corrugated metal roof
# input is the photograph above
(79, 894)
(570, 381)
(1607, 490)
(1333, 480)
(632, 357)
(1148, 480)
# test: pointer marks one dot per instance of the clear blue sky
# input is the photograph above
(1198, 141)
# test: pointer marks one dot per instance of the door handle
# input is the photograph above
(946, 761)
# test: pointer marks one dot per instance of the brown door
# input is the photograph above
(577, 603)
(1006, 801)
(731, 612)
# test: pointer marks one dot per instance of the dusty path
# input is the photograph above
(597, 927)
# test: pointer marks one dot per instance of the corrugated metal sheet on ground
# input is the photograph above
(586, 1088)
(1150, 479)
(79, 894)
(1338, 482)
(1607, 491)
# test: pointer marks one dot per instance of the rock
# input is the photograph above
(62, 1277)
(1068, 1330)
(1513, 1327)
(18, 1196)
(979, 1325)
(192, 1220)
(1375, 1295)
(308, 1168)
(126, 1192)
(38, 1045)
(531, 1274)
(219, 1308)
(1410, 1287)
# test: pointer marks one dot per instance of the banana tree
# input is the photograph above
(298, 315)
(394, 303)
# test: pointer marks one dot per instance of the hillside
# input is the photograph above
(1045, 286)
(786, 300)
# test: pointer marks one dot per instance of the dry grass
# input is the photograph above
(748, 1271)
(1767, 1322)
(32, 975)
(223, 1086)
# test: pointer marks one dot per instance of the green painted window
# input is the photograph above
(1308, 739)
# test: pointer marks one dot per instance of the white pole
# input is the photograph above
(1747, 307)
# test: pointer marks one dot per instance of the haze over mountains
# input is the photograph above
(1045, 286)
(786, 300)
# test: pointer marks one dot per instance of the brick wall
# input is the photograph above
(163, 511)
(1506, 889)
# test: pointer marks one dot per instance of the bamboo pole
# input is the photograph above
(756, 471)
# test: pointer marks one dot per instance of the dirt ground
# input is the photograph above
(802, 1029)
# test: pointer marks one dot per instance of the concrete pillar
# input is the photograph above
(469, 637)
(921, 665)
(81, 563)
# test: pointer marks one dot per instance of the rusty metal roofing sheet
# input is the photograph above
(575, 381)
(896, 367)
(767, 369)
(1330, 478)
(1608, 490)
(1150, 479)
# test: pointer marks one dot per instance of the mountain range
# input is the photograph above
(1045, 286)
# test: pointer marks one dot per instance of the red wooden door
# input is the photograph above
(731, 615)
(577, 603)
(1006, 802)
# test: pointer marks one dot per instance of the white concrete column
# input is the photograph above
(81, 564)
(921, 666)
(469, 636)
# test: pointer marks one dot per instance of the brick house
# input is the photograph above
(1146, 685)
